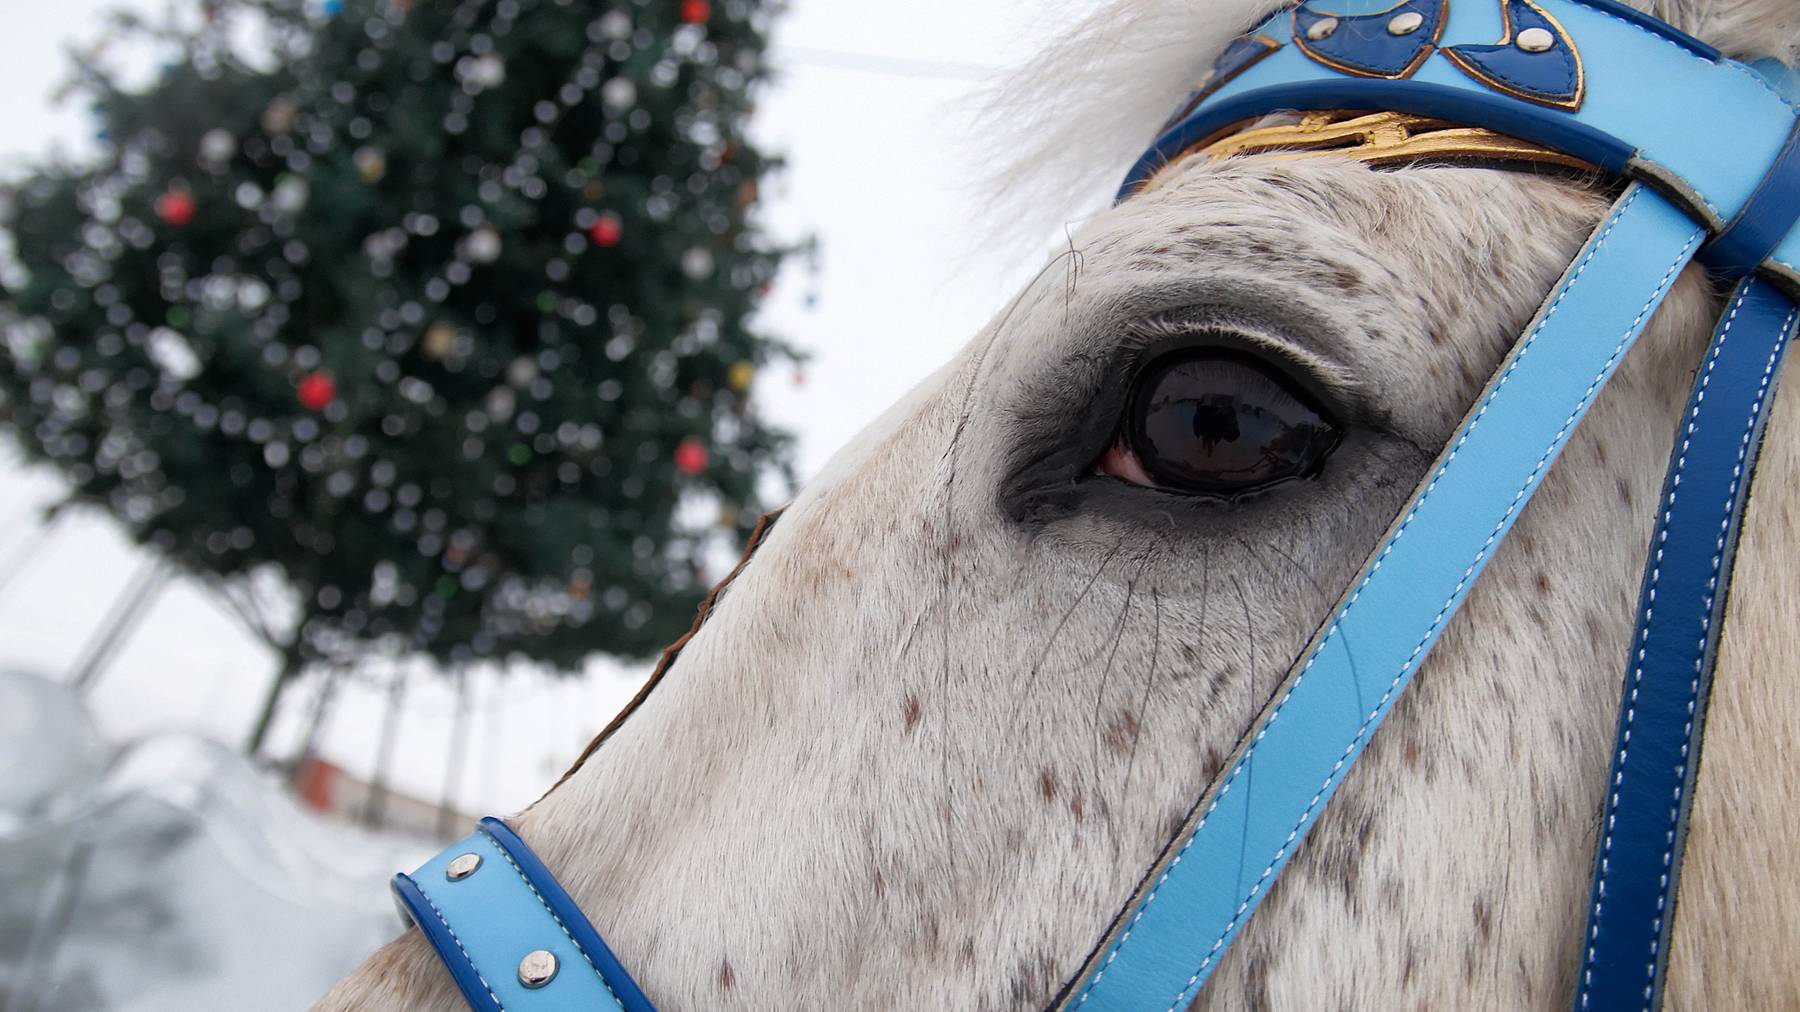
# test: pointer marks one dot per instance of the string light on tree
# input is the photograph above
(217, 148)
(483, 245)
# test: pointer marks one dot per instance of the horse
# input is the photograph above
(967, 685)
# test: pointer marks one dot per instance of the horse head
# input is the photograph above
(972, 679)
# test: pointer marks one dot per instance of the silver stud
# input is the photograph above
(537, 968)
(1321, 29)
(1406, 24)
(1536, 40)
(462, 867)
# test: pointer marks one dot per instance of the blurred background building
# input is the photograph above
(140, 640)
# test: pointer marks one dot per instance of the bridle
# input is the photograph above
(1572, 84)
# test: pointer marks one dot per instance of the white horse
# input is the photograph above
(965, 690)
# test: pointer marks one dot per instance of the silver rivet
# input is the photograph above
(462, 867)
(537, 968)
(1536, 40)
(1321, 29)
(1406, 24)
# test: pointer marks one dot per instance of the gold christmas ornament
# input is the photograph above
(440, 341)
(371, 164)
(742, 374)
(278, 117)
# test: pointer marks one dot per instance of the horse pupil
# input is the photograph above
(1224, 423)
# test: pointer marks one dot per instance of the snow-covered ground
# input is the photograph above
(169, 874)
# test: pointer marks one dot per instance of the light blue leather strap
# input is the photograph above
(1681, 613)
(1196, 898)
(484, 923)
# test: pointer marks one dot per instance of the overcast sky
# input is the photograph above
(868, 112)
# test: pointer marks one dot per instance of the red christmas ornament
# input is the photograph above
(607, 231)
(175, 207)
(696, 12)
(316, 391)
(691, 457)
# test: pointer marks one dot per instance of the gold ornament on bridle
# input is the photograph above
(1382, 139)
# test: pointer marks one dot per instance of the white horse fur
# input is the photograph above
(958, 700)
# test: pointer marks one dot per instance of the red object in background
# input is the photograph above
(695, 11)
(607, 231)
(175, 207)
(690, 457)
(316, 783)
(316, 391)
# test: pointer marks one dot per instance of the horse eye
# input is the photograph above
(1221, 424)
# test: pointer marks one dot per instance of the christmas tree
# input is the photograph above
(438, 309)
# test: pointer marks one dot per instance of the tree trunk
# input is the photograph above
(292, 663)
(459, 733)
(121, 620)
(26, 550)
(376, 811)
(315, 727)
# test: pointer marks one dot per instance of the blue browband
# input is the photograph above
(1712, 152)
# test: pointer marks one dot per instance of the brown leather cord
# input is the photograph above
(763, 525)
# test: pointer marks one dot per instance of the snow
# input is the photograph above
(170, 874)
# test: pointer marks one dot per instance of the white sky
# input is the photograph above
(878, 171)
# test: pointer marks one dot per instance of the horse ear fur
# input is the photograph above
(1743, 29)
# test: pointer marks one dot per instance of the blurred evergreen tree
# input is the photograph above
(439, 309)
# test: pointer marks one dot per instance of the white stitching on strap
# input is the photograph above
(459, 946)
(1690, 54)
(1637, 669)
(559, 921)
(1699, 662)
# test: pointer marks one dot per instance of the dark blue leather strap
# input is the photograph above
(1766, 219)
(1669, 674)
